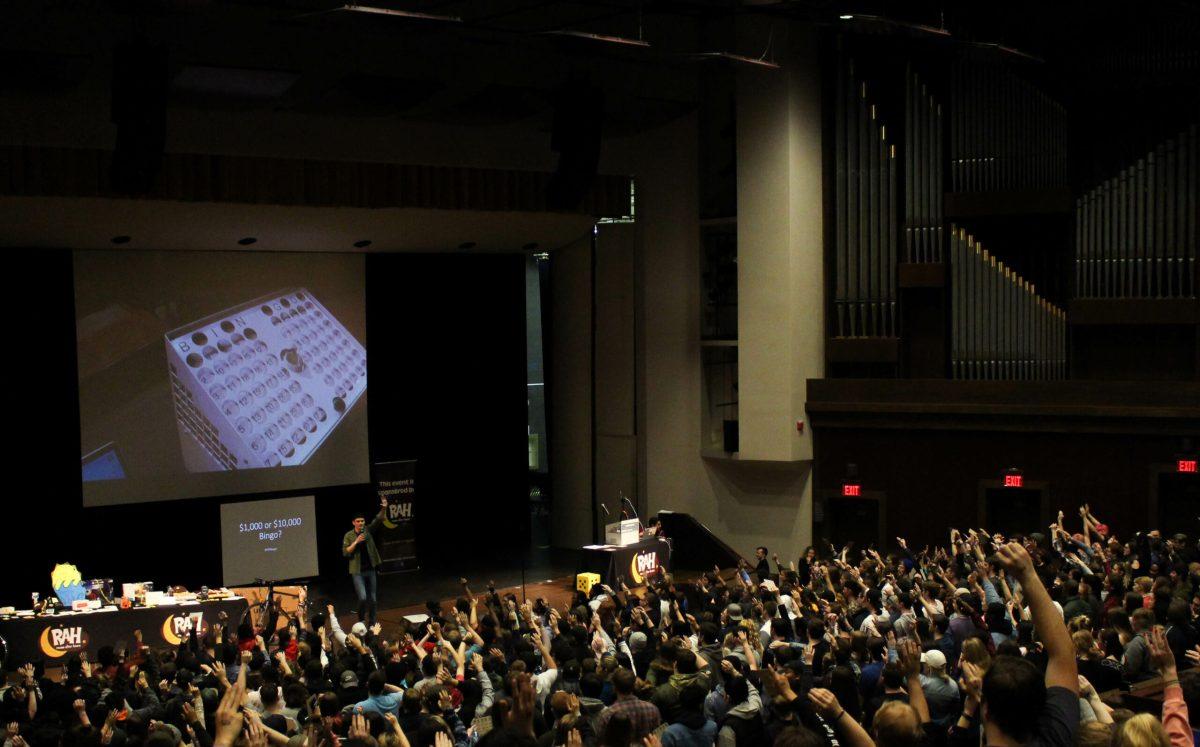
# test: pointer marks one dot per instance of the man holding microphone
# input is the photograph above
(359, 547)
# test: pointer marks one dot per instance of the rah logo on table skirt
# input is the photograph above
(643, 564)
(177, 628)
(58, 641)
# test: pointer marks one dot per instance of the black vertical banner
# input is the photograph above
(396, 482)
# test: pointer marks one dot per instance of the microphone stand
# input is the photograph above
(635, 513)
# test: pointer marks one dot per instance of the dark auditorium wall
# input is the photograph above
(447, 335)
(447, 341)
(930, 478)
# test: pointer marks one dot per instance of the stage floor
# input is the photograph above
(548, 574)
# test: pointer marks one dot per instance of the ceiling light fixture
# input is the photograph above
(625, 41)
(363, 244)
(741, 59)
(247, 241)
(393, 13)
(885, 21)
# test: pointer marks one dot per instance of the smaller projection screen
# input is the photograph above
(273, 540)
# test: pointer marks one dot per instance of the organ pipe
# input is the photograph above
(922, 173)
(866, 216)
(1000, 327)
(1135, 232)
(1005, 133)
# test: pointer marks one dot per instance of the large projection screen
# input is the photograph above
(219, 373)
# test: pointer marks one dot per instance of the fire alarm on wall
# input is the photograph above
(800, 426)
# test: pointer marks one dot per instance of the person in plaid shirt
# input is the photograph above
(642, 714)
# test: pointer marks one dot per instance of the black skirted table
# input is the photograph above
(54, 637)
(633, 563)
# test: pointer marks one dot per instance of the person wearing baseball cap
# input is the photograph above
(349, 690)
(941, 691)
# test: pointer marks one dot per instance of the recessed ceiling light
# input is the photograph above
(846, 17)
(247, 241)
(363, 244)
(121, 239)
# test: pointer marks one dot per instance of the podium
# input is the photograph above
(622, 533)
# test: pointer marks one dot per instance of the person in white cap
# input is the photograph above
(941, 691)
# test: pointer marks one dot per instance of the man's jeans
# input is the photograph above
(364, 587)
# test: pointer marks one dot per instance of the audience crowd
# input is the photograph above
(1047, 638)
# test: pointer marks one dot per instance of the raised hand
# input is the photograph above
(825, 703)
(972, 681)
(910, 656)
(256, 735)
(776, 683)
(106, 731)
(1015, 559)
(1160, 653)
(358, 725)
(1193, 655)
(520, 714)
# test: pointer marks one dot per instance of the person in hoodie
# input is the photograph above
(743, 723)
(691, 728)
(687, 671)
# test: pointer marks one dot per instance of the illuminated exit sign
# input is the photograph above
(851, 491)
(1012, 480)
(1186, 465)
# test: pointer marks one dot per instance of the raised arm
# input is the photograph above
(547, 660)
(1061, 669)
(1175, 710)
(910, 660)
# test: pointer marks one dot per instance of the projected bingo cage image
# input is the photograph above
(264, 383)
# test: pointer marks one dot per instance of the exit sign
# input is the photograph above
(851, 491)
(1014, 481)
(1186, 465)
